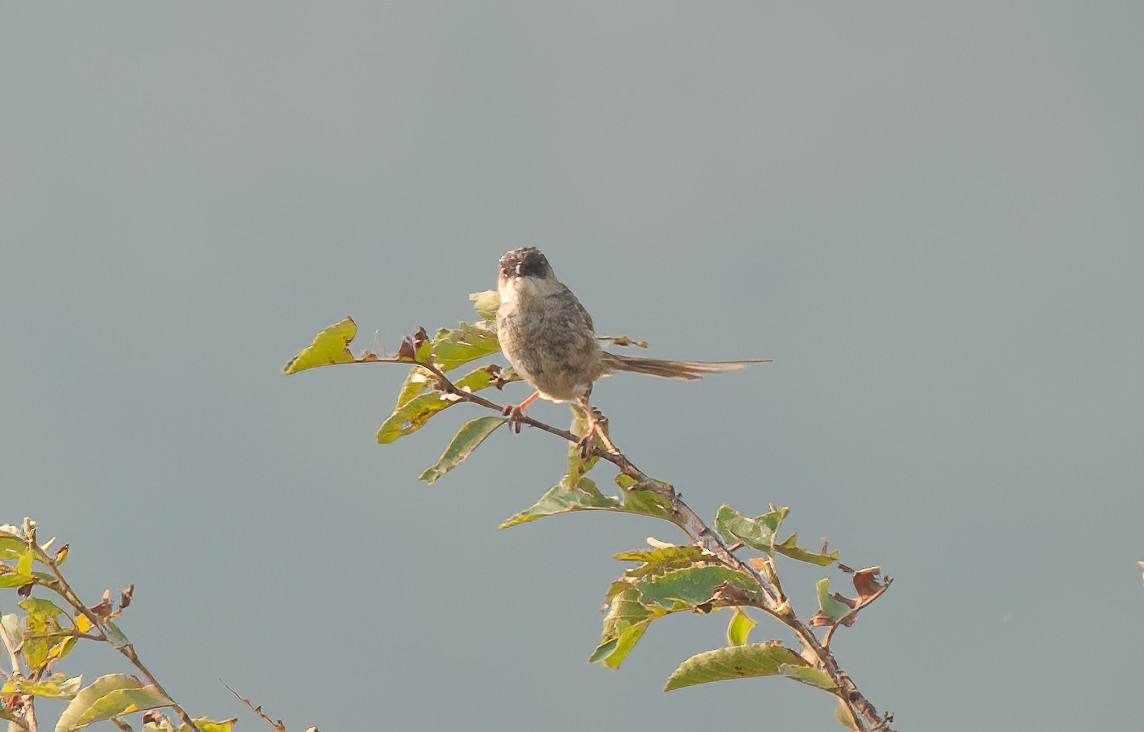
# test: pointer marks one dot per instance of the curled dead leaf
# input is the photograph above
(867, 584)
(125, 596)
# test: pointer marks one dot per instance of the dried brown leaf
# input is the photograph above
(867, 584)
(104, 608)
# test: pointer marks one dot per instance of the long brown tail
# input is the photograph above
(671, 369)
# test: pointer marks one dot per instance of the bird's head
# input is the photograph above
(524, 264)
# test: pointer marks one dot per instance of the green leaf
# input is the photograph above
(467, 439)
(574, 492)
(580, 495)
(58, 686)
(757, 533)
(644, 501)
(329, 347)
(114, 635)
(578, 465)
(11, 546)
(476, 379)
(418, 380)
(210, 725)
(735, 662)
(486, 303)
(833, 608)
(120, 702)
(790, 549)
(42, 620)
(808, 675)
(452, 348)
(577, 493)
(739, 628)
(106, 697)
(661, 559)
(14, 579)
(24, 563)
(624, 625)
(412, 415)
(692, 586)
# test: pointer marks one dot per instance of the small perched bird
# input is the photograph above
(548, 337)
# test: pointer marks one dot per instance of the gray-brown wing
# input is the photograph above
(584, 312)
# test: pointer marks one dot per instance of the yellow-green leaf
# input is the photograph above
(329, 347)
(42, 620)
(568, 495)
(58, 686)
(833, 608)
(486, 303)
(106, 697)
(624, 625)
(412, 415)
(467, 439)
(692, 586)
(757, 533)
(120, 702)
(210, 725)
(808, 675)
(791, 549)
(735, 662)
(452, 348)
(739, 628)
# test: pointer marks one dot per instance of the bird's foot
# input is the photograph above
(587, 443)
(515, 414)
(594, 435)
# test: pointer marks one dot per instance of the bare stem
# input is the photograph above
(772, 601)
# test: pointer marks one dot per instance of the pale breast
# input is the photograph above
(547, 340)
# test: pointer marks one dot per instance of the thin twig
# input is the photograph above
(257, 710)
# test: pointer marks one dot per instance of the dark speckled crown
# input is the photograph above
(525, 262)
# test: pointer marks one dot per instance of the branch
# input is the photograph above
(773, 601)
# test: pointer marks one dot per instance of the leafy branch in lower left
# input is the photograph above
(38, 638)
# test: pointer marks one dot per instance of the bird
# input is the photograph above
(550, 341)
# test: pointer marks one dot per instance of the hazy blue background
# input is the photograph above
(929, 216)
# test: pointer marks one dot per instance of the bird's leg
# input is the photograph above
(588, 441)
(516, 414)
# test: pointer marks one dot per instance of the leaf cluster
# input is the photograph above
(46, 630)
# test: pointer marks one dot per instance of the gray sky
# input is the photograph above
(928, 216)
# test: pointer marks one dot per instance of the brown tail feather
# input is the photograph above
(669, 368)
